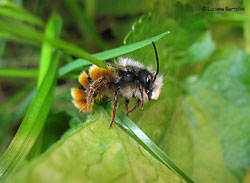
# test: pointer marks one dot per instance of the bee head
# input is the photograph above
(152, 82)
(152, 85)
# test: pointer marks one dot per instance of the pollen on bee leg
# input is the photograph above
(78, 94)
(83, 79)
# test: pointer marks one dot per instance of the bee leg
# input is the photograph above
(90, 98)
(142, 98)
(126, 105)
(91, 92)
(115, 105)
(135, 107)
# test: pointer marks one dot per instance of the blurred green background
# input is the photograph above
(201, 120)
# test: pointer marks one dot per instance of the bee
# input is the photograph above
(128, 78)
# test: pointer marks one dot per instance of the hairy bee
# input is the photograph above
(129, 79)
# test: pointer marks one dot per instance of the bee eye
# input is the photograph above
(148, 80)
(145, 78)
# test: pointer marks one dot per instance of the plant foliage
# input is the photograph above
(197, 131)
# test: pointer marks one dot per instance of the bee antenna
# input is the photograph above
(157, 60)
(165, 73)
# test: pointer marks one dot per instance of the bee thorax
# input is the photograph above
(130, 91)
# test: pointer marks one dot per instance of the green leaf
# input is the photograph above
(97, 154)
(218, 102)
(211, 118)
(204, 46)
(149, 145)
(105, 55)
(247, 26)
(183, 41)
(190, 122)
(58, 121)
(129, 7)
(183, 46)
(31, 125)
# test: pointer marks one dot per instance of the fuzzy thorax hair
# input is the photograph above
(158, 83)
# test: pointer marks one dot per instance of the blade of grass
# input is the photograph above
(129, 48)
(20, 13)
(71, 66)
(52, 31)
(20, 16)
(11, 118)
(18, 73)
(15, 98)
(84, 23)
(10, 4)
(90, 8)
(2, 49)
(31, 125)
(26, 32)
(19, 30)
(129, 126)
(8, 37)
(22, 107)
(105, 55)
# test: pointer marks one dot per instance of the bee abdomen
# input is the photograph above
(79, 99)
(84, 99)
(97, 72)
(83, 79)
